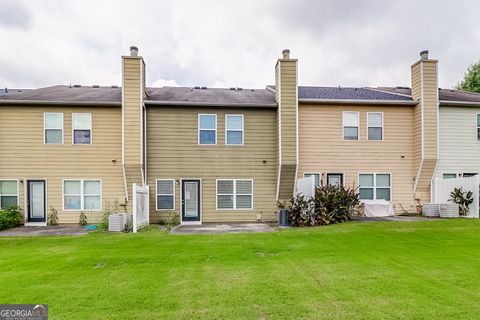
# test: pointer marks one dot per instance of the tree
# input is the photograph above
(471, 79)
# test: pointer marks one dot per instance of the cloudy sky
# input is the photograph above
(226, 43)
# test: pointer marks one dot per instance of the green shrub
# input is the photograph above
(331, 204)
(109, 207)
(52, 217)
(463, 198)
(10, 217)
(173, 220)
(82, 220)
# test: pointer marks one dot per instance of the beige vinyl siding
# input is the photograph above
(25, 156)
(174, 153)
(287, 120)
(321, 148)
(132, 91)
(430, 105)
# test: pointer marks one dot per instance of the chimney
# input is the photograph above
(286, 95)
(133, 51)
(133, 127)
(424, 75)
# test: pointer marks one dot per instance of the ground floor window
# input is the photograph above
(234, 194)
(165, 194)
(82, 195)
(335, 179)
(449, 175)
(315, 175)
(375, 186)
(8, 193)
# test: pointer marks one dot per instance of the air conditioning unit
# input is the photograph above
(449, 210)
(117, 221)
(431, 210)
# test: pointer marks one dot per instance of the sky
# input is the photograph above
(234, 43)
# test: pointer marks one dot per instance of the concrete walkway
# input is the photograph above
(43, 231)
(395, 218)
(208, 228)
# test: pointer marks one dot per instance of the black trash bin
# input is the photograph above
(282, 216)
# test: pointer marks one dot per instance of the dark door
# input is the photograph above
(335, 179)
(191, 200)
(36, 200)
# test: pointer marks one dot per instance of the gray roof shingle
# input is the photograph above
(347, 93)
(443, 94)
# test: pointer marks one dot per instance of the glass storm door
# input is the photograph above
(36, 200)
(190, 200)
(335, 179)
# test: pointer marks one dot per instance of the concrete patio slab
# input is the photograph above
(209, 228)
(395, 218)
(44, 231)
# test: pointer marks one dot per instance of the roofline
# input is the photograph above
(459, 103)
(389, 92)
(61, 103)
(359, 102)
(209, 104)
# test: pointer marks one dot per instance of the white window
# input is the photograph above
(314, 174)
(53, 128)
(8, 193)
(234, 129)
(449, 175)
(82, 128)
(478, 126)
(165, 194)
(350, 125)
(207, 129)
(375, 186)
(234, 194)
(375, 125)
(82, 195)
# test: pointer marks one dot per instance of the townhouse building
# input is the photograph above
(229, 154)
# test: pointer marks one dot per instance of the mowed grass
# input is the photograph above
(410, 270)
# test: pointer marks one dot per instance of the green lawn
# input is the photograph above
(411, 270)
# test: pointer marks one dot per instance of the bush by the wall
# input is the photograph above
(10, 217)
(330, 205)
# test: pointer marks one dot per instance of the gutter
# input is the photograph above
(459, 103)
(209, 104)
(61, 103)
(359, 102)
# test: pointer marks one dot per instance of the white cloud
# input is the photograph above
(211, 42)
(165, 83)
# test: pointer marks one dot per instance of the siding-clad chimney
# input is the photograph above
(133, 115)
(425, 92)
(287, 98)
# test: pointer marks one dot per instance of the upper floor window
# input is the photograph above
(234, 129)
(350, 125)
(207, 129)
(53, 128)
(82, 195)
(375, 186)
(82, 128)
(478, 126)
(8, 193)
(375, 125)
(315, 175)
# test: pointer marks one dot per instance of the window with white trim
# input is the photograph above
(207, 129)
(165, 194)
(8, 193)
(350, 125)
(53, 128)
(449, 175)
(82, 128)
(234, 194)
(375, 186)
(315, 175)
(375, 125)
(82, 195)
(478, 126)
(234, 129)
